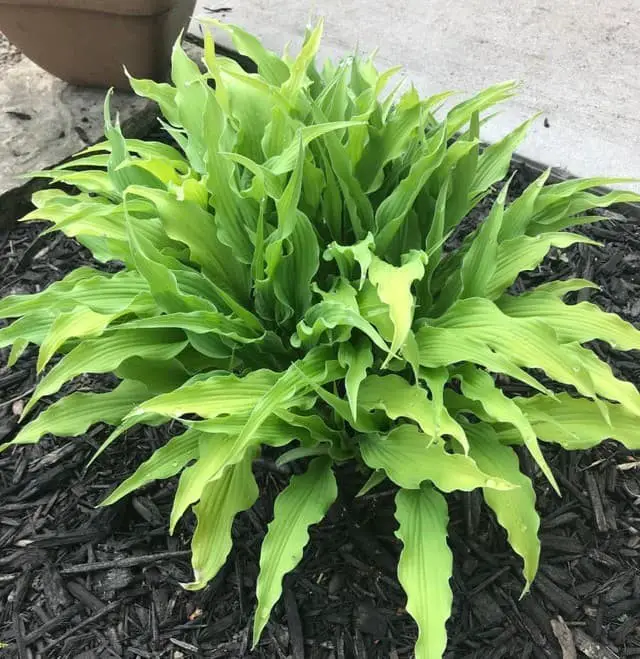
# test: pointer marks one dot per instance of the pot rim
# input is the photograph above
(118, 7)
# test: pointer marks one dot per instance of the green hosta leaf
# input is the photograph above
(332, 202)
(409, 458)
(357, 358)
(337, 312)
(560, 287)
(459, 167)
(557, 204)
(433, 247)
(581, 322)
(188, 223)
(529, 343)
(232, 210)
(346, 256)
(75, 414)
(515, 509)
(264, 181)
(278, 135)
(160, 92)
(14, 306)
(304, 502)
(79, 322)
(106, 354)
(191, 96)
(157, 375)
(389, 141)
(436, 380)
(249, 104)
(119, 172)
(286, 160)
(398, 399)
(578, 423)
(375, 479)
(494, 162)
(333, 98)
(88, 220)
(17, 350)
(357, 203)
(198, 322)
(220, 502)
(125, 291)
(216, 454)
(31, 328)
(99, 160)
(112, 294)
(316, 369)
(479, 263)
(526, 253)
(439, 346)
(95, 182)
(520, 211)
(298, 68)
(291, 253)
(479, 386)
(603, 381)
(393, 211)
(147, 150)
(425, 566)
(287, 204)
(569, 213)
(394, 289)
(158, 272)
(487, 98)
(294, 276)
(216, 395)
(165, 462)
(313, 425)
(365, 422)
(270, 66)
(275, 431)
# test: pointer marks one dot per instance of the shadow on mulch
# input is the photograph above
(76, 581)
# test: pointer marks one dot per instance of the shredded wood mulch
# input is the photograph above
(86, 582)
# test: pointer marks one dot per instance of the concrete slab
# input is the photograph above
(579, 61)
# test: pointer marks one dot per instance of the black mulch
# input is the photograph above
(80, 581)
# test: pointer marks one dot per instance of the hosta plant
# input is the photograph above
(283, 275)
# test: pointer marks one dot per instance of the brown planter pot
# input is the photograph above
(87, 42)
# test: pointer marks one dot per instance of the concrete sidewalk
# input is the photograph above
(579, 61)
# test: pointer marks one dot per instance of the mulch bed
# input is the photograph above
(80, 581)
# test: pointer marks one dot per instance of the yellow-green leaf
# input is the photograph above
(425, 566)
(394, 289)
(73, 415)
(357, 358)
(106, 354)
(515, 509)
(400, 399)
(304, 502)
(479, 386)
(409, 458)
(220, 502)
(165, 462)
(579, 423)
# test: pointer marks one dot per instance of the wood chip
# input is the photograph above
(591, 648)
(596, 502)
